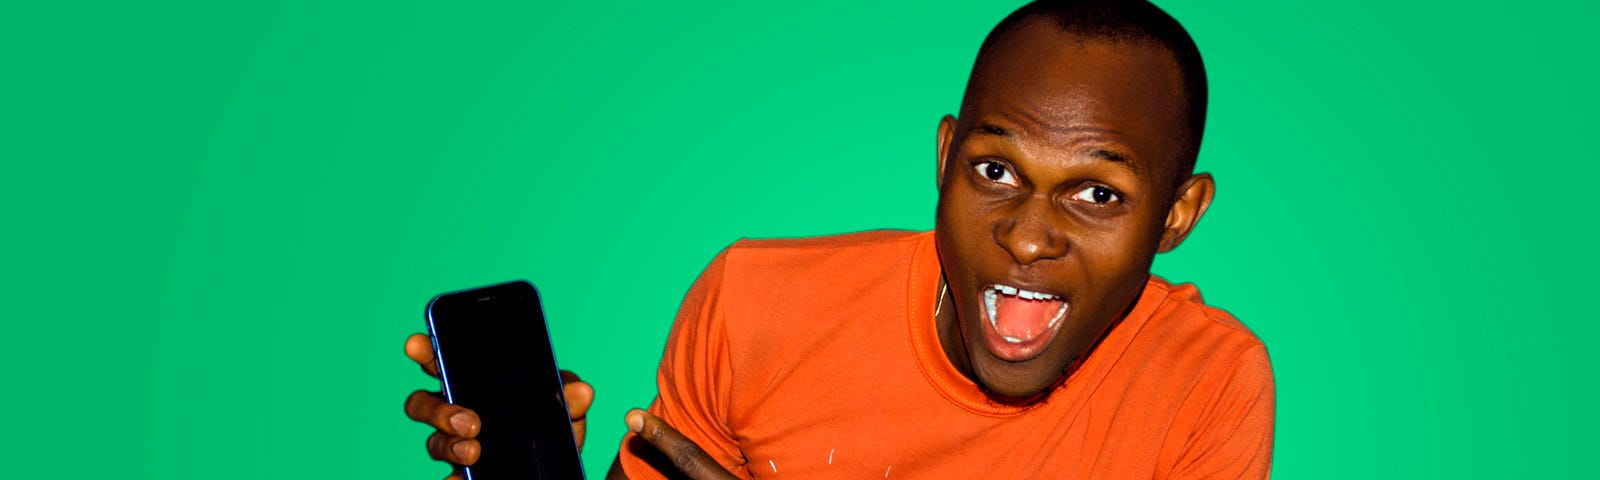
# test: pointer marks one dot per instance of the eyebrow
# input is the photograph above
(986, 128)
(992, 129)
(1110, 156)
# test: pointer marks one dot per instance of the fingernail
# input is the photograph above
(461, 448)
(635, 421)
(462, 423)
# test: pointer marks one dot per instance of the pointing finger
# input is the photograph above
(688, 457)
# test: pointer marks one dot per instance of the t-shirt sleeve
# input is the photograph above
(1233, 438)
(694, 384)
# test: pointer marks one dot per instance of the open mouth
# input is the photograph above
(1021, 322)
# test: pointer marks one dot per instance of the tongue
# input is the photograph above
(1024, 319)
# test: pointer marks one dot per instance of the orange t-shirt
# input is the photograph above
(818, 358)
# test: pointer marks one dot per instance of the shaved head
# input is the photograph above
(1111, 21)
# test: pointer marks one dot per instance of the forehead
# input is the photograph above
(1042, 84)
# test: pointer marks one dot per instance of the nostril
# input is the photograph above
(1027, 245)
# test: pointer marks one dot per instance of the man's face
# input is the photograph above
(1055, 191)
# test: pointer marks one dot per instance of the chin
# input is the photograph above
(1014, 382)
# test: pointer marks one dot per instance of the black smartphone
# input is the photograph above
(494, 357)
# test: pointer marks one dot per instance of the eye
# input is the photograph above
(1098, 195)
(996, 172)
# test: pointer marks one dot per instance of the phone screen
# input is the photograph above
(495, 358)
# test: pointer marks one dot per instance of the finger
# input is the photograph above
(580, 396)
(448, 448)
(420, 348)
(426, 407)
(688, 457)
(455, 475)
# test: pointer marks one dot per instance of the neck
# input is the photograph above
(951, 337)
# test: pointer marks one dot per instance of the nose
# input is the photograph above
(1032, 234)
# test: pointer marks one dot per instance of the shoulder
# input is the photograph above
(844, 240)
(1182, 307)
(868, 241)
(1219, 384)
(781, 301)
(800, 259)
(1183, 330)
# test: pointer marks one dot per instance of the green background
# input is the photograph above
(221, 219)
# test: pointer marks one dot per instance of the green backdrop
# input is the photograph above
(221, 219)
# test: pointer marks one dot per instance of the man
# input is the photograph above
(1023, 338)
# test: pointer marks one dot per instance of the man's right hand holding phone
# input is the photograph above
(456, 426)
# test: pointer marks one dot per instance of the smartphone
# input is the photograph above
(494, 357)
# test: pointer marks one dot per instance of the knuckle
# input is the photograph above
(689, 463)
(442, 412)
(425, 407)
(689, 457)
(439, 446)
(687, 453)
(416, 402)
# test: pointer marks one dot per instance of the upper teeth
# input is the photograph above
(990, 300)
(1027, 294)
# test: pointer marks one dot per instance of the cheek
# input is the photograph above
(1117, 263)
(963, 232)
(1109, 249)
(960, 201)
(1129, 241)
(964, 222)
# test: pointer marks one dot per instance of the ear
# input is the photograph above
(1194, 197)
(947, 132)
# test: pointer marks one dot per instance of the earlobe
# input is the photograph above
(947, 132)
(1193, 198)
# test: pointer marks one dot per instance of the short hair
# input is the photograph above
(1121, 21)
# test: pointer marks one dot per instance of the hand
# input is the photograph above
(690, 459)
(456, 426)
